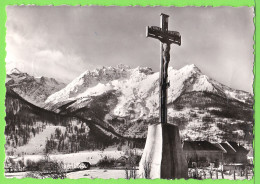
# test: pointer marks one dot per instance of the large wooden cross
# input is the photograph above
(166, 38)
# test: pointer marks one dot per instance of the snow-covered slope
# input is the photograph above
(33, 89)
(126, 99)
(138, 88)
(94, 82)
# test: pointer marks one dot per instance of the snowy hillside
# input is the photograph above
(36, 145)
(33, 89)
(126, 99)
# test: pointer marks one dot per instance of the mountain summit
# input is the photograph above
(15, 71)
(141, 84)
(34, 89)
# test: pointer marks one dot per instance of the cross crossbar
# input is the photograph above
(164, 36)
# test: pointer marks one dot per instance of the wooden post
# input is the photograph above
(234, 175)
(126, 172)
(163, 81)
(246, 174)
(217, 174)
(222, 173)
(210, 173)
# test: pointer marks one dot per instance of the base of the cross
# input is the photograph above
(163, 155)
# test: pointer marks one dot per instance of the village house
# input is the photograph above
(202, 153)
(233, 153)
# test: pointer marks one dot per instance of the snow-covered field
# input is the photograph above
(115, 174)
(98, 173)
(92, 174)
(18, 175)
(72, 160)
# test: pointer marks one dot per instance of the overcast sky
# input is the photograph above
(62, 42)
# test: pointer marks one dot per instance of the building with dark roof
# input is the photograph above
(202, 153)
(232, 152)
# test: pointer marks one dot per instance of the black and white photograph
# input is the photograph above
(129, 92)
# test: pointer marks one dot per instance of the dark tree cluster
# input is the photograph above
(78, 138)
(20, 129)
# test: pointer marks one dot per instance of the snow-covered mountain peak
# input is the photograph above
(47, 80)
(140, 73)
(190, 68)
(123, 66)
(203, 84)
(90, 79)
(145, 70)
(15, 71)
(33, 89)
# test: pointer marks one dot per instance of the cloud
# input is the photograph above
(64, 41)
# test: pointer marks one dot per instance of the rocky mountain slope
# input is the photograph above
(33, 89)
(125, 100)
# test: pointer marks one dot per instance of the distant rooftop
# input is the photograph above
(199, 146)
(227, 147)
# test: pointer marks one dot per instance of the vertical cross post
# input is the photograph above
(166, 38)
(163, 81)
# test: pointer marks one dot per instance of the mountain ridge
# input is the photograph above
(188, 78)
(33, 89)
(128, 104)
